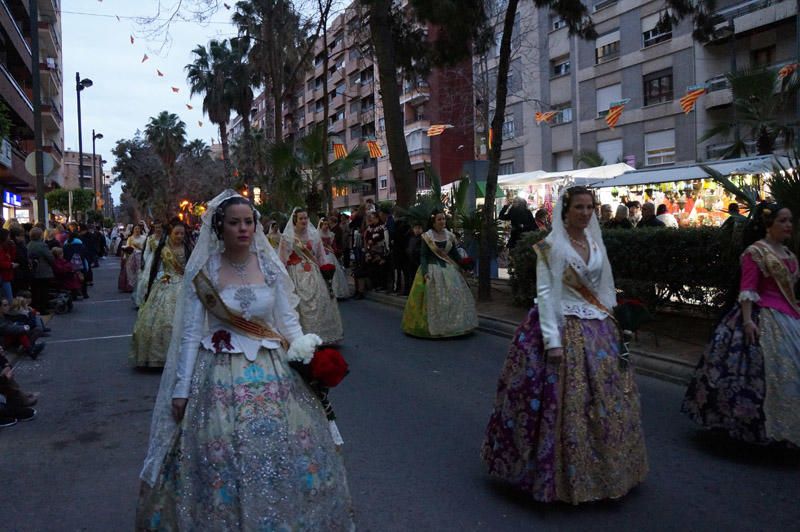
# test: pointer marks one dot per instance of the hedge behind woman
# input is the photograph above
(238, 440)
(302, 252)
(748, 382)
(566, 422)
(163, 279)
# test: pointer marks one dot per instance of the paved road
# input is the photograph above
(412, 413)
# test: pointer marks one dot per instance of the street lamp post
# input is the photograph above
(80, 84)
(95, 136)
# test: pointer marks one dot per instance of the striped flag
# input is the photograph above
(545, 117)
(787, 71)
(693, 93)
(615, 112)
(438, 129)
(374, 149)
(339, 151)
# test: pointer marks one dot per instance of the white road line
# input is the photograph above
(111, 300)
(89, 339)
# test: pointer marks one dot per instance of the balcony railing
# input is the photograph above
(727, 13)
(419, 152)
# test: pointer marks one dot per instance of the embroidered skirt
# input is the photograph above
(752, 392)
(153, 329)
(441, 307)
(569, 431)
(254, 452)
(319, 313)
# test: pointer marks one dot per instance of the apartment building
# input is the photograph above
(356, 113)
(92, 176)
(16, 92)
(641, 58)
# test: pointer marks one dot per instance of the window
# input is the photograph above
(559, 67)
(506, 168)
(556, 22)
(509, 131)
(563, 161)
(354, 54)
(610, 150)
(355, 106)
(355, 132)
(318, 83)
(337, 115)
(606, 96)
(659, 147)
(602, 4)
(381, 124)
(763, 56)
(658, 87)
(340, 88)
(422, 180)
(606, 47)
(383, 182)
(656, 28)
(319, 107)
(564, 115)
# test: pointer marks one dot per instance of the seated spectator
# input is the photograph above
(669, 220)
(65, 277)
(20, 311)
(18, 336)
(18, 404)
(620, 220)
(649, 216)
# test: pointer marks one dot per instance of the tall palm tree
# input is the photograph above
(210, 76)
(197, 149)
(762, 111)
(166, 133)
(590, 158)
(243, 78)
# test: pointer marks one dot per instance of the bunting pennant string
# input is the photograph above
(374, 149)
(160, 74)
(689, 100)
(176, 90)
(438, 129)
(132, 39)
(189, 107)
(787, 71)
(545, 117)
(200, 123)
(339, 151)
(615, 112)
(145, 58)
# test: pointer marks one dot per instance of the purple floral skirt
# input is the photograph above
(569, 431)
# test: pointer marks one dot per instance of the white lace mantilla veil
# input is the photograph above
(163, 426)
(289, 232)
(560, 246)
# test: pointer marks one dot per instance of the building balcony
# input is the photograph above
(50, 5)
(751, 15)
(51, 75)
(52, 120)
(53, 149)
(9, 22)
(48, 39)
(16, 97)
(414, 124)
(416, 94)
(17, 177)
(419, 156)
(353, 119)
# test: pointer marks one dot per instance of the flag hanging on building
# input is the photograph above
(374, 149)
(787, 71)
(693, 93)
(615, 112)
(547, 116)
(438, 129)
(339, 151)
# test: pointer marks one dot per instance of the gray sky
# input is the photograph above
(126, 92)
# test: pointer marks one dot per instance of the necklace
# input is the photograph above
(582, 245)
(244, 293)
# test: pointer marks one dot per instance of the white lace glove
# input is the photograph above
(302, 349)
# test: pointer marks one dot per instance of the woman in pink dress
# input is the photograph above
(748, 382)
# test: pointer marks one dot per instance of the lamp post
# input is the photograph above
(80, 84)
(95, 136)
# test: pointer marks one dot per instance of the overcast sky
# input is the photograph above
(127, 92)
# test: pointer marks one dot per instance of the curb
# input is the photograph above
(655, 365)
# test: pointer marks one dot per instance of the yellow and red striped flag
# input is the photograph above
(339, 151)
(374, 149)
(787, 71)
(438, 129)
(615, 112)
(688, 101)
(547, 116)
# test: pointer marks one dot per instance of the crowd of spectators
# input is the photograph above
(42, 270)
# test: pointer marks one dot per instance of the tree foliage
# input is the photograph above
(58, 200)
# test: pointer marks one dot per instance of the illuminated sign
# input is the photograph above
(11, 199)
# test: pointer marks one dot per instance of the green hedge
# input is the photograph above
(658, 266)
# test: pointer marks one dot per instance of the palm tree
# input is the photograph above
(197, 149)
(166, 133)
(243, 78)
(210, 76)
(590, 158)
(762, 108)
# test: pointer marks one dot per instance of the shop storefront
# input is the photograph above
(11, 204)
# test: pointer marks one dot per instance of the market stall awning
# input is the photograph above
(686, 172)
(595, 173)
(522, 178)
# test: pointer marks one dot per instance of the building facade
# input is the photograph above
(16, 93)
(639, 58)
(92, 176)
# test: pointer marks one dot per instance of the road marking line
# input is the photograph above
(88, 339)
(111, 300)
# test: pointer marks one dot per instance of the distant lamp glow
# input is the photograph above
(257, 195)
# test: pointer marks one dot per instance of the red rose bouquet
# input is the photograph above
(467, 263)
(327, 369)
(327, 271)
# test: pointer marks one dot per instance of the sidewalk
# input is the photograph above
(668, 348)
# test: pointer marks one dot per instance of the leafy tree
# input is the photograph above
(242, 79)
(58, 200)
(209, 76)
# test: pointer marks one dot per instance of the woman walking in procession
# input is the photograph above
(164, 278)
(566, 422)
(302, 252)
(238, 440)
(151, 244)
(132, 260)
(340, 286)
(748, 382)
(440, 303)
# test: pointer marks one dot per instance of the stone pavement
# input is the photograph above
(669, 348)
